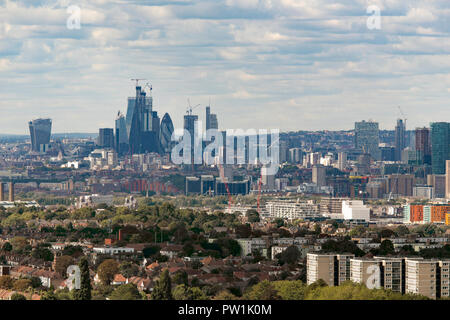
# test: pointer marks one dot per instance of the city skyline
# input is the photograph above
(308, 65)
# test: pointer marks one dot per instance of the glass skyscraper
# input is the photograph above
(367, 138)
(40, 132)
(400, 142)
(440, 149)
(166, 133)
(142, 124)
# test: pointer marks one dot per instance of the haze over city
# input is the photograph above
(310, 65)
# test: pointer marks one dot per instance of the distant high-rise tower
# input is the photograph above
(211, 119)
(40, 132)
(106, 138)
(2, 191)
(142, 131)
(121, 137)
(11, 192)
(447, 179)
(208, 117)
(190, 122)
(440, 146)
(400, 143)
(423, 145)
(367, 138)
(166, 132)
(342, 161)
(319, 175)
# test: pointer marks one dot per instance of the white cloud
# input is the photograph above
(309, 64)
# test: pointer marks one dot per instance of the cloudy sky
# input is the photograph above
(287, 64)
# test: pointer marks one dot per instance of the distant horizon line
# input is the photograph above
(281, 132)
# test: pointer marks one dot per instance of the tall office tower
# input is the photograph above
(342, 161)
(440, 146)
(208, 118)
(140, 122)
(423, 145)
(283, 151)
(156, 128)
(2, 191)
(367, 138)
(190, 122)
(447, 179)
(319, 175)
(40, 132)
(166, 132)
(11, 192)
(267, 179)
(211, 119)
(106, 138)
(400, 142)
(437, 181)
(334, 269)
(121, 142)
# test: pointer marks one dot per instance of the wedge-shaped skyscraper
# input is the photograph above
(40, 132)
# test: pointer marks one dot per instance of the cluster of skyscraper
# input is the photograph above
(141, 130)
(431, 144)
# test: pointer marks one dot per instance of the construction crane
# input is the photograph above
(401, 112)
(190, 108)
(137, 81)
(222, 176)
(259, 194)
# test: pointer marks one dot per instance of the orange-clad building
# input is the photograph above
(439, 213)
(416, 213)
(447, 219)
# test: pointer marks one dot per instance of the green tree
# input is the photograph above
(290, 290)
(183, 292)
(386, 248)
(22, 284)
(18, 296)
(163, 287)
(42, 253)
(49, 295)
(19, 244)
(62, 263)
(107, 270)
(126, 292)
(252, 216)
(402, 230)
(180, 277)
(290, 256)
(262, 291)
(6, 282)
(84, 293)
(36, 282)
(225, 295)
(7, 246)
(129, 269)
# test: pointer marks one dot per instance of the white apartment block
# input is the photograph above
(355, 210)
(292, 210)
(248, 246)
